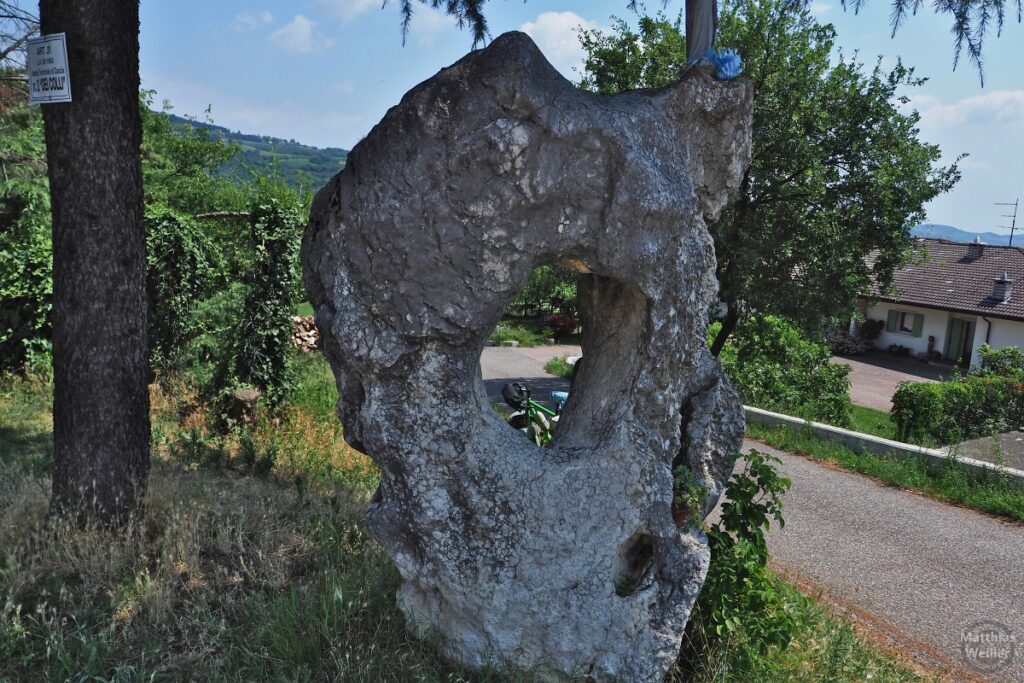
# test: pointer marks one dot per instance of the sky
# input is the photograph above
(323, 72)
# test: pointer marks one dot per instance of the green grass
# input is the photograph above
(528, 332)
(825, 649)
(952, 483)
(238, 572)
(871, 421)
(558, 367)
(304, 309)
(26, 424)
(518, 333)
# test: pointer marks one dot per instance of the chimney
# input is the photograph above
(976, 248)
(1003, 288)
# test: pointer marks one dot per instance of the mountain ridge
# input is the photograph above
(301, 166)
(953, 234)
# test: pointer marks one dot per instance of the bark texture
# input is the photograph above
(563, 561)
(101, 370)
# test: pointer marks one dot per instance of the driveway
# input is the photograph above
(503, 364)
(875, 376)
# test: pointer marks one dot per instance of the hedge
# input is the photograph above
(958, 409)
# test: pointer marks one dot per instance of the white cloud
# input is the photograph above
(820, 9)
(347, 10)
(345, 87)
(300, 37)
(557, 36)
(998, 105)
(250, 21)
(427, 23)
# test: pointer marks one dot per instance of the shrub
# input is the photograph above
(917, 411)
(180, 265)
(1005, 362)
(774, 366)
(26, 284)
(841, 342)
(958, 409)
(562, 324)
(741, 598)
(260, 345)
(871, 329)
(558, 367)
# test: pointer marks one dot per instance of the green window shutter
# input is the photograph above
(893, 321)
(918, 324)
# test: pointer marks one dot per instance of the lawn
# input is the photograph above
(528, 332)
(871, 421)
(251, 562)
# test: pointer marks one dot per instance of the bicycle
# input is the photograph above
(533, 419)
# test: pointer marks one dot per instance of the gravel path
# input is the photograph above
(913, 570)
(914, 573)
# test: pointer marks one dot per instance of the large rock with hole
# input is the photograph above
(563, 561)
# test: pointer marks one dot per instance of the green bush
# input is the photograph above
(1005, 362)
(180, 267)
(958, 409)
(260, 344)
(558, 367)
(774, 366)
(741, 599)
(26, 283)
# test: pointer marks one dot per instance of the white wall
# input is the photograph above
(936, 323)
(1004, 333)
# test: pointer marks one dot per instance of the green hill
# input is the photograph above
(300, 165)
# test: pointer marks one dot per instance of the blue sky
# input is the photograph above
(323, 72)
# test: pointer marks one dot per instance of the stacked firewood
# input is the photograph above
(305, 335)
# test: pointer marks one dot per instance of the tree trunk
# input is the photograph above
(100, 364)
(728, 325)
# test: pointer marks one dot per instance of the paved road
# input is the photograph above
(500, 365)
(913, 572)
(911, 569)
(874, 377)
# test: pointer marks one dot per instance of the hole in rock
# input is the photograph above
(528, 364)
(533, 364)
(633, 563)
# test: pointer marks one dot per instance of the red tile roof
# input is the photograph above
(950, 276)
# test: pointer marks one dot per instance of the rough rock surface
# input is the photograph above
(563, 561)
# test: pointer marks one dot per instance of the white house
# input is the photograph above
(950, 299)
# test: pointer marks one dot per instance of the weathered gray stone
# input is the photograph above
(562, 561)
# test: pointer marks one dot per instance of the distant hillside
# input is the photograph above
(948, 232)
(300, 165)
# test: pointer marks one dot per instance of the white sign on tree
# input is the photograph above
(48, 78)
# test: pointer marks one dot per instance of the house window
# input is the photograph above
(906, 322)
